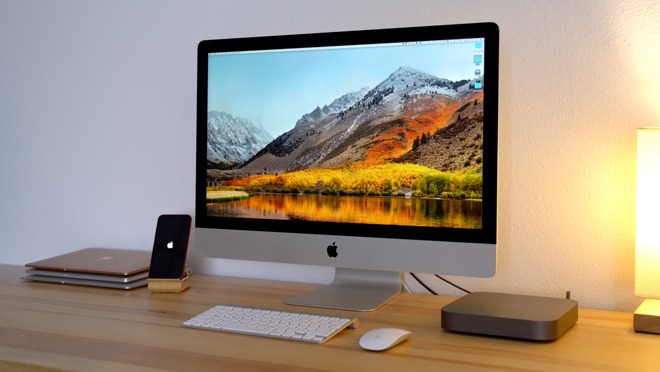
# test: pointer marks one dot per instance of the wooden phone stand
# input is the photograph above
(168, 285)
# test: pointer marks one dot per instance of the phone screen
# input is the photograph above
(168, 258)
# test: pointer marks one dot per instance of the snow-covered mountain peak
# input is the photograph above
(338, 105)
(406, 77)
(232, 139)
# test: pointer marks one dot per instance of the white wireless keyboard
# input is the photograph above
(315, 328)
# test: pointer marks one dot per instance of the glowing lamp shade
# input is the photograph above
(647, 249)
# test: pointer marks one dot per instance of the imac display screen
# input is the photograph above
(353, 133)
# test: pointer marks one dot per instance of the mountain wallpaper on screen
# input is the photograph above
(412, 132)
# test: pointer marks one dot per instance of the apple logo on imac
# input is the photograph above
(332, 250)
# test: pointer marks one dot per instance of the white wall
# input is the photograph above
(97, 126)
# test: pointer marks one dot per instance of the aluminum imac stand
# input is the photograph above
(354, 290)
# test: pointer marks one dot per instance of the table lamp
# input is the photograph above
(647, 244)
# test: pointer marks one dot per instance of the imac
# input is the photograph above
(373, 152)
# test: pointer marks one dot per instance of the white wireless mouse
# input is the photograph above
(380, 339)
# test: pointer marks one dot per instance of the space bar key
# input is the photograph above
(246, 330)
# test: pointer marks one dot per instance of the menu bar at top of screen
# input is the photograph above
(478, 45)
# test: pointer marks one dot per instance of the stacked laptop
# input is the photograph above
(99, 267)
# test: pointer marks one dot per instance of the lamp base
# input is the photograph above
(647, 317)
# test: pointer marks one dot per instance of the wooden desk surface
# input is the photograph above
(94, 329)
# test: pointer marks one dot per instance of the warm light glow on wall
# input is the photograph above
(636, 28)
(647, 251)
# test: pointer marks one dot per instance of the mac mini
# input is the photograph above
(508, 315)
